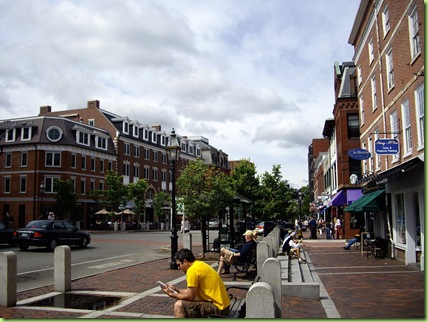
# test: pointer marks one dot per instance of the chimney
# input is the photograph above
(94, 104)
(45, 109)
(157, 127)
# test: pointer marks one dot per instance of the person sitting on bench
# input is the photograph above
(228, 255)
(291, 246)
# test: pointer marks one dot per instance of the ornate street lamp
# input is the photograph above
(300, 204)
(173, 152)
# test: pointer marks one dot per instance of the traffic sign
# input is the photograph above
(387, 146)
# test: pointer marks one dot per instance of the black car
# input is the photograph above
(49, 234)
(6, 234)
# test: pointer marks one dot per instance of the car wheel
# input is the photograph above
(84, 243)
(52, 245)
(23, 247)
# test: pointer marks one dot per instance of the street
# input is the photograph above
(107, 251)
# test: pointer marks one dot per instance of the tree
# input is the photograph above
(115, 192)
(65, 197)
(159, 201)
(204, 191)
(137, 193)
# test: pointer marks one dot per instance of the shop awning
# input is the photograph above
(339, 199)
(369, 202)
(345, 197)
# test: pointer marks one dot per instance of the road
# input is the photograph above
(107, 251)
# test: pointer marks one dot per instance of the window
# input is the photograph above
(401, 219)
(6, 184)
(353, 126)
(146, 173)
(125, 127)
(362, 109)
(359, 75)
(83, 162)
(101, 143)
(394, 130)
(405, 112)
(155, 156)
(420, 114)
(136, 151)
(53, 159)
(390, 70)
(26, 133)
(126, 169)
(163, 140)
(146, 134)
(415, 42)
(54, 133)
(371, 51)
(10, 135)
(374, 94)
(127, 148)
(385, 22)
(163, 175)
(146, 154)
(155, 174)
(136, 171)
(82, 138)
(164, 158)
(101, 185)
(198, 151)
(110, 165)
(83, 186)
(154, 137)
(92, 164)
(102, 166)
(91, 122)
(24, 159)
(365, 166)
(135, 130)
(92, 185)
(183, 146)
(73, 161)
(22, 184)
(50, 184)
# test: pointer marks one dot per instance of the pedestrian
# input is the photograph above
(51, 215)
(228, 255)
(337, 227)
(313, 228)
(357, 237)
(205, 293)
(328, 230)
(185, 225)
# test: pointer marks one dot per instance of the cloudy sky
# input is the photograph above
(254, 77)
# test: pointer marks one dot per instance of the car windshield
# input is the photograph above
(38, 224)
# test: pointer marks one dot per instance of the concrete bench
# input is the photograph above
(297, 279)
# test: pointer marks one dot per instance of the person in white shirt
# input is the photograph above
(185, 225)
(292, 246)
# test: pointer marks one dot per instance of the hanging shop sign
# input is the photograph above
(359, 154)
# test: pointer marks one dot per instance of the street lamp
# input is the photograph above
(300, 204)
(173, 152)
(42, 191)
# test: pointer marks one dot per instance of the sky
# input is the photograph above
(254, 77)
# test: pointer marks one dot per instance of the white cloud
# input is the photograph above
(256, 78)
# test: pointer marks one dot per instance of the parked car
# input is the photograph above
(214, 223)
(49, 234)
(6, 234)
(265, 227)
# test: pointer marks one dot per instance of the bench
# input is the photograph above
(297, 279)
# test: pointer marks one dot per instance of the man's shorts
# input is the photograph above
(201, 309)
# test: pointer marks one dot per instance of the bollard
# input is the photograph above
(8, 273)
(62, 269)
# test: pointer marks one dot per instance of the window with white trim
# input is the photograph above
(26, 133)
(83, 162)
(163, 140)
(400, 218)
(415, 41)
(420, 114)
(101, 186)
(385, 21)
(146, 154)
(83, 186)
(136, 151)
(24, 159)
(49, 183)
(53, 159)
(393, 119)
(407, 128)
(126, 169)
(101, 165)
(92, 185)
(374, 94)
(125, 127)
(371, 51)
(8, 160)
(136, 171)
(362, 110)
(127, 149)
(22, 184)
(73, 161)
(198, 151)
(10, 135)
(145, 134)
(91, 122)
(146, 173)
(135, 130)
(7, 181)
(101, 143)
(82, 138)
(92, 164)
(163, 175)
(183, 147)
(389, 69)
(155, 174)
(154, 137)
(155, 156)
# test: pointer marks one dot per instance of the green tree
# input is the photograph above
(160, 200)
(204, 191)
(115, 193)
(65, 197)
(137, 193)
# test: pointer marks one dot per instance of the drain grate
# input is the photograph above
(78, 301)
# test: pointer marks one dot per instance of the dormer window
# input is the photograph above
(125, 127)
(183, 147)
(198, 151)
(26, 133)
(163, 139)
(135, 130)
(54, 133)
(154, 137)
(10, 135)
(101, 143)
(146, 134)
(191, 149)
(82, 138)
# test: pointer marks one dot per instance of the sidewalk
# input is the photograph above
(359, 287)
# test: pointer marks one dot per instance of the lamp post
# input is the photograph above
(300, 204)
(42, 191)
(173, 152)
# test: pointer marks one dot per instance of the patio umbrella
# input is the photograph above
(128, 212)
(102, 212)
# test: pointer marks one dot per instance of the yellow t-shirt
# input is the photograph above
(209, 285)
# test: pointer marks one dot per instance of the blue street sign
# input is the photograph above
(387, 146)
(359, 154)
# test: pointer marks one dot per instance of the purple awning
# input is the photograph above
(353, 194)
(339, 199)
(346, 197)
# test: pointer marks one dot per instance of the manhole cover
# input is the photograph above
(78, 301)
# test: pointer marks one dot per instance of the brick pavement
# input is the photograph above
(360, 287)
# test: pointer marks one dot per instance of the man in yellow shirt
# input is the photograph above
(205, 293)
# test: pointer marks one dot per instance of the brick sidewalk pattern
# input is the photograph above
(360, 287)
